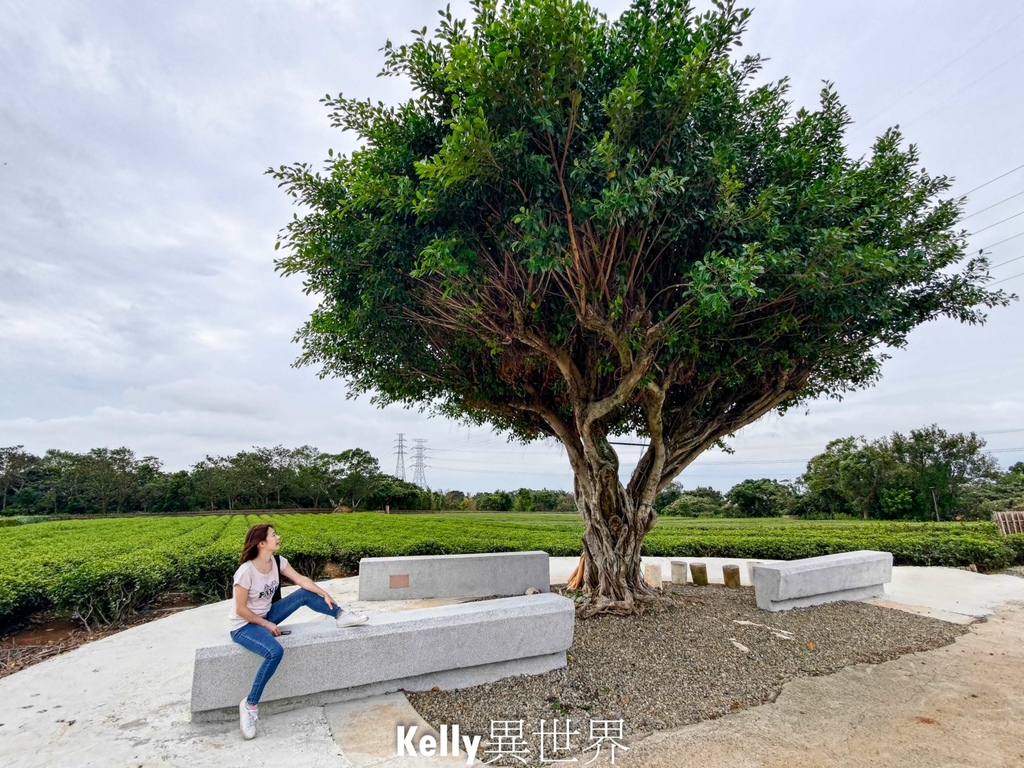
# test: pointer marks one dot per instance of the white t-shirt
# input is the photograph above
(261, 588)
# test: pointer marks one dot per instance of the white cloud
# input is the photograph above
(138, 301)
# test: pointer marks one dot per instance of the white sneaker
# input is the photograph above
(351, 619)
(247, 719)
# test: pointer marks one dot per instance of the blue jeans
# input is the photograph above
(259, 640)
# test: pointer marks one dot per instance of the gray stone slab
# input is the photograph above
(450, 646)
(481, 575)
(366, 731)
(816, 580)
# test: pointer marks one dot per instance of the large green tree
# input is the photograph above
(16, 469)
(923, 474)
(580, 227)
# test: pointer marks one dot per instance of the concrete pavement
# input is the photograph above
(124, 700)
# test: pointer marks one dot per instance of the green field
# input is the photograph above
(103, 569)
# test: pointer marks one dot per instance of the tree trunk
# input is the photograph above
(615, 528)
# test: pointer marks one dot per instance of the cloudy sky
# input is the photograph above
(138, 300)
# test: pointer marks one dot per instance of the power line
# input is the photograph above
(990, 181)
(468, 448)
(997, 223)
(957, 92)
(1008, 261)
(940, 71)
(488, 438)
(746, 448)
(498, 463)
(965, 218)
(567, 472)
(1008, 239)
(1011, 277)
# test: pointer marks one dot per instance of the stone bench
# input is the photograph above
(817, 580)
(483, 575)
(452, 646)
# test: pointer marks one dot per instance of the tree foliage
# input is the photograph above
(700, 502)
(760, 498)
(580, 227)
(923, 475)
(105, 480)
(17, 466)
(619, 197)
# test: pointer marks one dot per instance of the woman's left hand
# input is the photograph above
(329, 600)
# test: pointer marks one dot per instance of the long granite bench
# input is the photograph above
(482, 575)
(452, 646)
(816, 580)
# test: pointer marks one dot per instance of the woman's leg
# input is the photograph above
(286, 606)
(259, 640)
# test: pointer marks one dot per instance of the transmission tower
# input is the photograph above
(418, 478)
(400, 464)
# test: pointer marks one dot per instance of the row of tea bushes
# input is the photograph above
(102, 570)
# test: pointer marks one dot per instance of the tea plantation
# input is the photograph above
(101, 570)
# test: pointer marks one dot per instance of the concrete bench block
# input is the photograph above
(482, 575)
(816, 580)
(452, 646)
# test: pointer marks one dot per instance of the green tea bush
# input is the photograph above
(1015, 541)
(910, 545)
(107, 591)
(102, 570)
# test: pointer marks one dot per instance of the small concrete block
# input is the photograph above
(652, 575)
(699, 574)
(398, 581)
(489, 574)
(732, 576)
(679, 572)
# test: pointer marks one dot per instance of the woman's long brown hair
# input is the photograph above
(253, 537)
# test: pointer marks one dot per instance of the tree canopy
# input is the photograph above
(925, 474)
(579, 227)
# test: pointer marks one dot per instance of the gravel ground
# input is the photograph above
(701, 653)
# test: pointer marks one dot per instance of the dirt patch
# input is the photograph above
(338, 571)
(48, 633)
(1015, 570)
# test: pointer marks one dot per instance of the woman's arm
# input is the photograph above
(243, 612)
(308, 584)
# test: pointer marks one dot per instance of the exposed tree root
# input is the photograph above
(632, 605)
(603, 606)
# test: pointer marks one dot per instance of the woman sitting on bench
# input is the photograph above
(258, 608)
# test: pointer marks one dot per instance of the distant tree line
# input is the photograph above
(105, 480)
(117, 481)
(927, 474)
